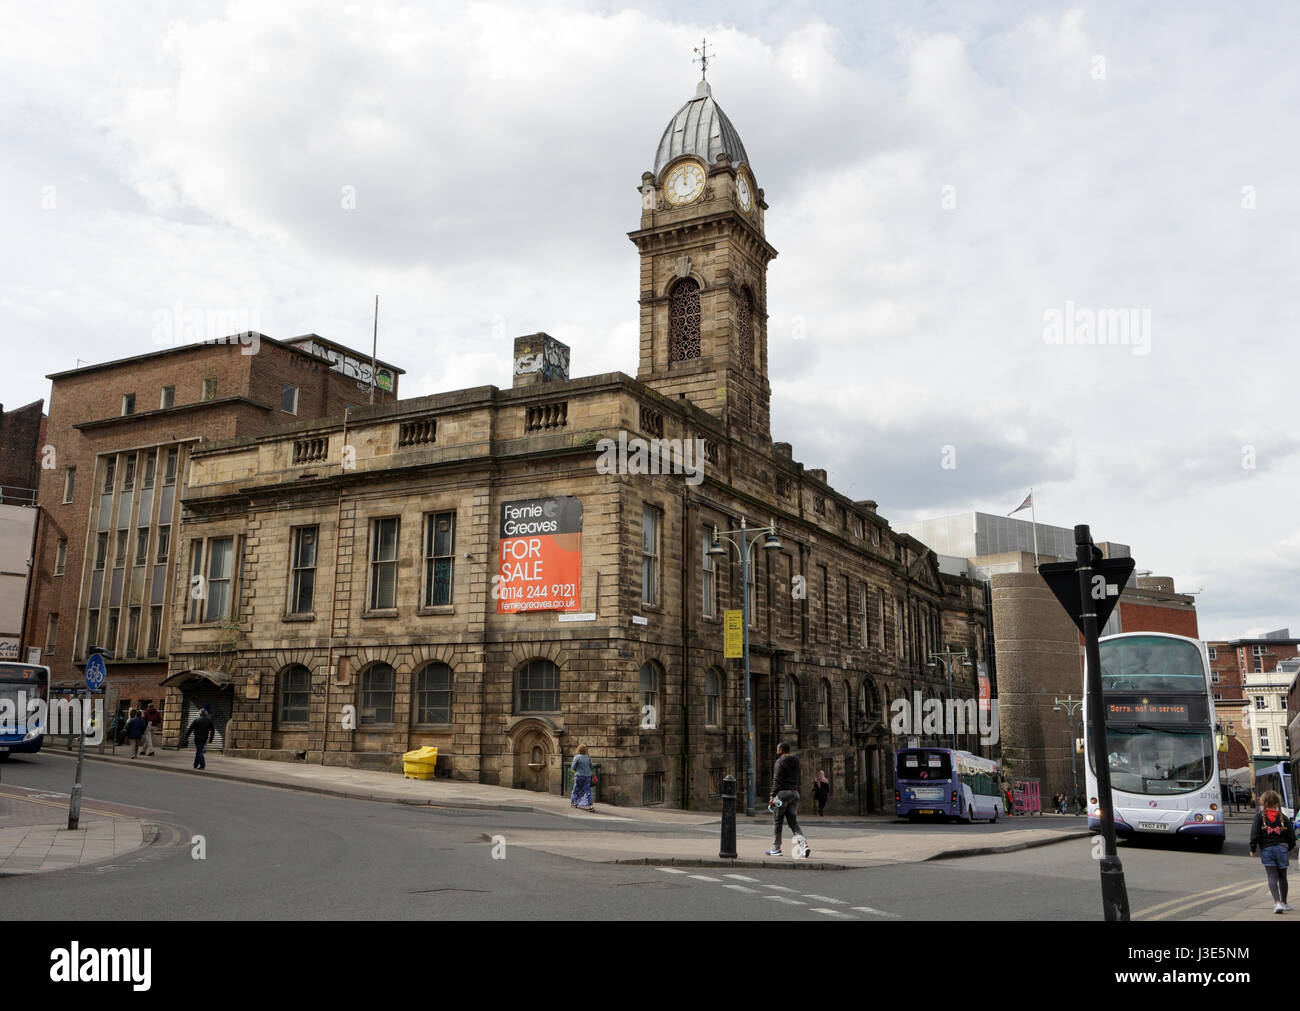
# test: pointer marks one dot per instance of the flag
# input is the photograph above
(1029, 501)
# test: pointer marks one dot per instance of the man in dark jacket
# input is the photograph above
(153, 725)
(784, 798)
(203, 730)
(135, 731)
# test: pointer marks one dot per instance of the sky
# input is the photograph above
(1020, 245)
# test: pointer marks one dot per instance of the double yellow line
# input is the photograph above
(1175, 906)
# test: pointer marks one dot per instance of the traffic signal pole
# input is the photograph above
(1114, 892)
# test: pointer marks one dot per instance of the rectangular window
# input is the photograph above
(194, 591)
(1257, 650)
(69, 483)
(101, 549)
(1261, 702)
(1214, 676)
(132, 631)
(788, 563)
(128, 473)
(439, 558)
(708, 578)
(209, 390)
(60, 556)
(651, 518)
(826, 602)
(110, 637)
(155, 629)
(900, 628)
(1214, 653)
(168, 398)
(863, 616)
(51, 632)
(848, 611)
(221, 568)
(141, 545)
(164, 544)
(1263, 740)
(150, 468)
(119, 554)
(110, 474)
(128, 404)
(383, 564)
(92, 629)
(302, 582)
(289, 400)
(169, 476)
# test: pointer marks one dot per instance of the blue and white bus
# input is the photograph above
(944, 783)
(21, 683)
(1160, 741)
(1277, 777)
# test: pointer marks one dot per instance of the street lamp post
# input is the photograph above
(770, 543)
(947, 657)
(1071, 705)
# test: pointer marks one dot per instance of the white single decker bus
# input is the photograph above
(1160, 741)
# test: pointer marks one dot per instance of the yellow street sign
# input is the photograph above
(733, 634)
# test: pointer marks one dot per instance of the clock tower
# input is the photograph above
(704, 270)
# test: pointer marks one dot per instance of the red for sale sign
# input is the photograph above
(540, 555)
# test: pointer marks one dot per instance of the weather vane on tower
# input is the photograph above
(703, 59)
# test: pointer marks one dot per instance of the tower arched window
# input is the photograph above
(745, 327)
(684, 320)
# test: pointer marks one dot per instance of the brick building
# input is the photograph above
(1254, 679)
(22, 433)
(382, 601)
(121, 433)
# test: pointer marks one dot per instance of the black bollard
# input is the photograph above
(727, 851)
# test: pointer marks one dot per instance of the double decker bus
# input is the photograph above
(946, 783)
(20, 684)
(1277, 777)
(1160, 741)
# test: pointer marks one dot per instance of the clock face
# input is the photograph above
(742, 191)
(685, 183)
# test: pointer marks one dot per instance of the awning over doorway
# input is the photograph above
(216, 678)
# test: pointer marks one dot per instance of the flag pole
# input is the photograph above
(1034, 520)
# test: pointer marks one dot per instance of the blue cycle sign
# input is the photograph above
(96, 672)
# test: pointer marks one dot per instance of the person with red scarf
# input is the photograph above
(1273, 835)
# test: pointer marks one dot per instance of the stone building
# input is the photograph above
(119, 435)
(507, 574)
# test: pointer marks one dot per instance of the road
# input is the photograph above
(276, 854)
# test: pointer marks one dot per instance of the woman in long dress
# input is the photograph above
(582, 776)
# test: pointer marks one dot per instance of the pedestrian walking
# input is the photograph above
(821, 791)
(135, 728)
(152, 725)
(1273, 834)
(1011, 800)
(204, 731)
(583, 777)
(783, 801)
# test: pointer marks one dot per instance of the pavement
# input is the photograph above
(631, 835)
(34, 834)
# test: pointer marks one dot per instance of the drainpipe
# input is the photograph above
(686, 678)
(334, 596)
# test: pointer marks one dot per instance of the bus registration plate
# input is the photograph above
(1154, 826)
(924, 811)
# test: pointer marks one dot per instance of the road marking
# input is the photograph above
(1211, 893)
(704, 877)
(1193, 901)
(780, 888)
(740, 877)
(874, 912)
(835, 913)
(670, 870)
(782, 898)
(742, 888)
(826, 898)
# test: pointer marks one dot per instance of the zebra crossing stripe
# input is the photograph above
(874, 912)
(835, 913)
(782, 898)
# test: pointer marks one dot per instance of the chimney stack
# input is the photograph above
(540, 358)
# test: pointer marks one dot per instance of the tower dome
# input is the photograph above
(700, 128)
